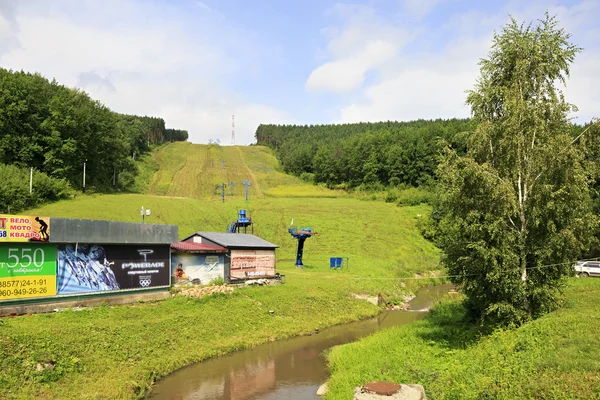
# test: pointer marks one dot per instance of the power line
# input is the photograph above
(465, 275)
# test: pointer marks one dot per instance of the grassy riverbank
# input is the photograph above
(554, 357)
(117, 352)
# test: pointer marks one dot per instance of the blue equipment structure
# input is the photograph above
(337, 262)
(302, 234)
(242, 222)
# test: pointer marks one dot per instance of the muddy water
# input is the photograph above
(291, 369)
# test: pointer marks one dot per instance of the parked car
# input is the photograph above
(586, 269)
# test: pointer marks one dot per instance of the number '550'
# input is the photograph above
(26, 257)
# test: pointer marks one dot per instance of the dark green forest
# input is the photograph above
(55, 130)
(364, 154)
(369, 155)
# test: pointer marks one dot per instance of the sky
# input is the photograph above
(196, 63)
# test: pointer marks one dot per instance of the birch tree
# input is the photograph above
(515, 211)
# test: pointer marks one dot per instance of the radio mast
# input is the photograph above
(232, 129)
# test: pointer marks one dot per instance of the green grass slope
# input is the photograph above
(553, 357)
(192, 170)
(380, 239)
(118, 352)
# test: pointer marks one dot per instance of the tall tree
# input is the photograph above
(513, 213)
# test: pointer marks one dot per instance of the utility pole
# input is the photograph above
(84, 175)
(223, 192)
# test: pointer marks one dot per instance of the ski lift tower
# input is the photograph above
(301, 234)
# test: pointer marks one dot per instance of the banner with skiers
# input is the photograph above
(90, 267)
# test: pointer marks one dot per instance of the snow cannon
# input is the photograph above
(242, 222)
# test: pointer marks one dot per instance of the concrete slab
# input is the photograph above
(51, 306)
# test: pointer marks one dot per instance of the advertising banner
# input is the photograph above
(27, 270)
(204, 267)
(247, 264)
(84, 268)
(24, 228)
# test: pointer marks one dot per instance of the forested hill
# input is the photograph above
(372, 154)
(55, 129)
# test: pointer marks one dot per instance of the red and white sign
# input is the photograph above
(252, 264)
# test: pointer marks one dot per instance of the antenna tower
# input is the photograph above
(233, 129)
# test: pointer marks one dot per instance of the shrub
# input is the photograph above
(15, 195)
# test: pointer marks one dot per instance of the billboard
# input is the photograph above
(205, 267)
(27, 270)
(24, 228)
(248, 264)
(84, 268)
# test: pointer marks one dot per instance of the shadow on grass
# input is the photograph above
(449, 325)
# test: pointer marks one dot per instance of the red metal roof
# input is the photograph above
(193, 246)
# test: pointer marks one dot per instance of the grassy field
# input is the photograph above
(554, 357)
(380, 239)
(193, 170)
(118, 352)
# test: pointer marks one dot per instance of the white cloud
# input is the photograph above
(347, 74)
(430, 82)
(137, 58)
(430, 86)
(365, 43)
(419, 8)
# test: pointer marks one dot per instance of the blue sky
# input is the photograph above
(197, 62)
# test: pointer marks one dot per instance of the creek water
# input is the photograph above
(291, 369)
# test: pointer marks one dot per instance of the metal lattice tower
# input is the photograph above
(232, 130)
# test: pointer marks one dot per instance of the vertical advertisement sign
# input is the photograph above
(84, 268)
(27, 270)
(24, 228)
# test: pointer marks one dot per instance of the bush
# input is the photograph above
(414, 196)
(15, 194)
(217, 282)
(307, 177)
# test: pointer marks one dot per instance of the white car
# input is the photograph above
(586, 269)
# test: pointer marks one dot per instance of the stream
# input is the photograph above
(291, 369)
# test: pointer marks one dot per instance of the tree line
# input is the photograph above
(364, 154)
(55, 130)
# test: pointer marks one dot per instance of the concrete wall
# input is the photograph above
(67, 230)
(58, 304)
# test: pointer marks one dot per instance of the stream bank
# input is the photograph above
(291, 369)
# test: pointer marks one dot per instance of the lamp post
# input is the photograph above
(144, 213)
